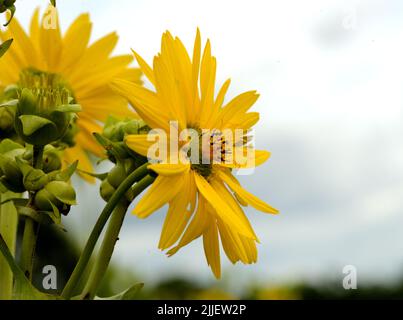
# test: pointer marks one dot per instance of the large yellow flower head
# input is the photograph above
(204, 197)
(86, 70)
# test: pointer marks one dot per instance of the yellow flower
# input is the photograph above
(86, 69)
(203, 198)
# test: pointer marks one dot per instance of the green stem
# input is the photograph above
(31, 227)
(9, 257)
(106, 250)
(28, 246)
(38, 157)
(8, 228)
(110, 238)
(97, 230)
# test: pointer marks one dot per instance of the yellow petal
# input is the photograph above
(194, 113)
(233, 246)
(178, 215)
(236, 107)
(247, 196)
(144, 101)
(75, 41)
(144, 67)
(223, 210)
(245, 121)
(141, 143)
(221, 94)
(229, 199)
(247, 157)
(212, 249)
(51, 41)
(196, 226)
(166, 169)
(163, 190)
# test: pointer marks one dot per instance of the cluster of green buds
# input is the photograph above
(124, 159)
(37, 117)
(49, 187)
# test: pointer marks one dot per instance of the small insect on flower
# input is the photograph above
(84, 69)
(204, 197)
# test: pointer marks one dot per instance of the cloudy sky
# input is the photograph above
(330, 75)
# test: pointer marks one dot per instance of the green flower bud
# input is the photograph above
(136, 126)
(59, 193)
(117, 175)
(44, 111)
(106, 190)
(11, 174)
(35, 180)
(115, 130)
(7, 115)
(51, 159)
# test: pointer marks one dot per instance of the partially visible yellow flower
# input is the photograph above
(203, 198)
(86, 69)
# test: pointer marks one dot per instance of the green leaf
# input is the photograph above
(129, 294)
(4, 46)
(8, 229)
(23, 289)
(32, 123)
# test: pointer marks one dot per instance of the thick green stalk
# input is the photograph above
(28, 246)
(5, 251)
(8, 229)
(110, 238)
(31, 227)
(106, 250)
(97, 230)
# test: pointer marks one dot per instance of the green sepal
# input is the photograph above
(12, 11)
(64, 175)
(62, 191)
(5, 46)
(68, 108)
(99, 176)
(118, 151)
(129, 294)
(55, 214)
(32, 123)
(11, 103)
(34, 179)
